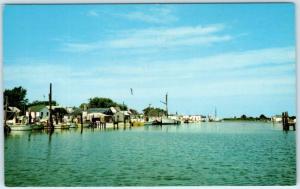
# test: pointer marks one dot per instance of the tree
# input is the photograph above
(243, 117)
(16, 97)
(37, 102)
(263, 117)
(100, 102)
(150, 111)
(83, 106)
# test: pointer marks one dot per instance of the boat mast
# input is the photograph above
(166, 103)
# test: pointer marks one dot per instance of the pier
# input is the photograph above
(287, 123)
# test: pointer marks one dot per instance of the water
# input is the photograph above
(226, 153)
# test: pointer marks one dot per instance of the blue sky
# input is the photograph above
(239, 58)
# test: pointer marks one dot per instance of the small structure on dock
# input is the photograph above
(287, 123)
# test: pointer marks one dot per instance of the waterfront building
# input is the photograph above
(277, 118)
(38, 112)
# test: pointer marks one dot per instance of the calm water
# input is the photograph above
(227, 153)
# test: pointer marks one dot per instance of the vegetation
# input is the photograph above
(37, 102)
(150, 111)
(16, 97)
(100, 102)
(262, 117)
(83, 106)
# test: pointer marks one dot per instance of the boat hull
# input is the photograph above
(20, 127)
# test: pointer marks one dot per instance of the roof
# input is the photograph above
(97, 110)
(115, 109)
(37, 108)
(14, 109)
(96, 115)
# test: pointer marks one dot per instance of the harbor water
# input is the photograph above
(221, 153)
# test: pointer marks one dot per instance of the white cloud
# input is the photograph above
(162, 15)
(92, 13)
(253, 72)
(156, 38)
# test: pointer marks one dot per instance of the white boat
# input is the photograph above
(163, 121)
(20, 127)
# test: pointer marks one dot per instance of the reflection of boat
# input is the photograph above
(20, 127)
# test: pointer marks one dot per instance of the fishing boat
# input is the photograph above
(20, 127)
(163, 121)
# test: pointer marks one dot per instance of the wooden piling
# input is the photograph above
(50, 109)
(286, 123)
(29, 116)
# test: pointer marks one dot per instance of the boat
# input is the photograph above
(20, 127)
(163, 121)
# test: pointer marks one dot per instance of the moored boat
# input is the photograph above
(20, 127)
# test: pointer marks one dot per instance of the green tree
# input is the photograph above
(100, 102)
(83, 106)
(150, 111)
(263, 117)
(16, 97)
(243, 117)
(37, 102)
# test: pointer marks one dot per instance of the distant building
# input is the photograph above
(277, 118)
(97, 114)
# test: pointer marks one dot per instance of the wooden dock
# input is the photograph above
(287, 123)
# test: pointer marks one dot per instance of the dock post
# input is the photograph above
(81, 122)
(124, 120)
(29, 117)
(50, 108)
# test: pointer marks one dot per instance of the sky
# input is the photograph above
(236, 58)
